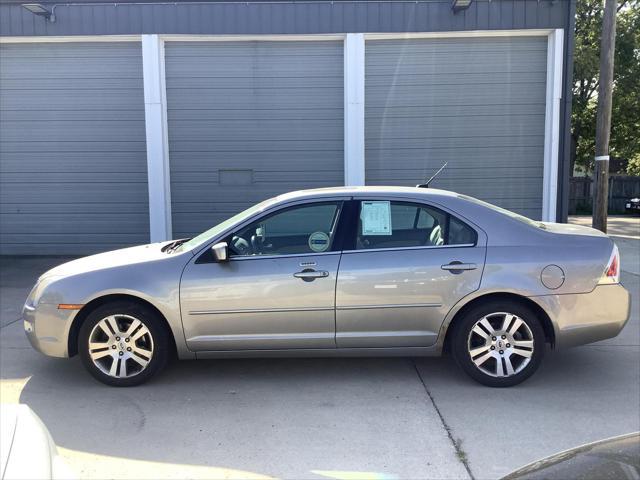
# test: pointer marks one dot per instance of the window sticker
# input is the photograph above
(376, 218)
(319, 241)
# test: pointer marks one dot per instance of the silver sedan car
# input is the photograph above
(359, 271)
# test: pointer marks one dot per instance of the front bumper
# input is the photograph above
(587, 317)
(47, 328)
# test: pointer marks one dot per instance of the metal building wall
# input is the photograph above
(283, 17)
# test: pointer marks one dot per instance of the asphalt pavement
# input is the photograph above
(381, 418)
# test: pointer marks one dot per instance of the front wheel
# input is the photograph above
(123, 344)
(499, 344)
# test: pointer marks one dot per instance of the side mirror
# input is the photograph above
(220, 252)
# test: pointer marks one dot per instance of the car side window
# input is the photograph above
(308, 228)
(391, 224)
(460, 233)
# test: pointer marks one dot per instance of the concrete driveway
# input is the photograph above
(321, 418)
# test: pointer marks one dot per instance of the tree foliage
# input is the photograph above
(625, 123)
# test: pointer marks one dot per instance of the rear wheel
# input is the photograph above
(499, 344)
(123, 344)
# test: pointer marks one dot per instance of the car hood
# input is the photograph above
(114, 258)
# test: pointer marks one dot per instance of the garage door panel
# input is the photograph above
(60, 70)
(215, 147)
(464, 143)
(504, 45)
(501, 157)
(437, 111)
(280, 162)
(411, 95)
(135, 148)
(81, 50)
(56, 176)
(251, 49)
(72, 148)
(262, 98)
(71, 192)
(267, 176)
(248, 83)
(71, 163)
(507, 125)
(467, 174)
(64, 84)
(57, 224)
(61, 244)
(235, 193)
(235, 68)
(48, 209)
(395, 66)
(77, 100)
(72, 130)
(55, 116)
(442, 78)
(258, 130)
(182, 116)
(476, 103)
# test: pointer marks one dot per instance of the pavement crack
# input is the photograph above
(457, 444)
(11, 323)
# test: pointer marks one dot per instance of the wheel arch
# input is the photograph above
(545, 320)
(85, 311)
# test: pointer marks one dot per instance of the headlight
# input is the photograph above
(38, 289)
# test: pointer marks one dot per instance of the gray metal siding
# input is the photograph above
(250, 120)
(284, 17)
(73, 176)
(478, 104)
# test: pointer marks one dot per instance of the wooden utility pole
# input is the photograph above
(603, 120)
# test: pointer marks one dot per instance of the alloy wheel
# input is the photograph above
(121, 346)
(500, 344)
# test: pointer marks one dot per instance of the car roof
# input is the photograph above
(366, 191)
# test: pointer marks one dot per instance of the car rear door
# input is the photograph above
(408, 264)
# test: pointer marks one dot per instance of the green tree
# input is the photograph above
(625, 126)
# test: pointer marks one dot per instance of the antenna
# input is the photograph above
(426, 185)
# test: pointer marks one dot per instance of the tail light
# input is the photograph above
(612, 270)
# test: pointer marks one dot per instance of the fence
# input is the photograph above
(621, 188)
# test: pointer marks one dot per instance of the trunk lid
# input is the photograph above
(569, 229)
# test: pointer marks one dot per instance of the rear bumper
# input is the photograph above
(587, 317)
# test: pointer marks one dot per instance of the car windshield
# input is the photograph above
(221, 227)
(504, 211)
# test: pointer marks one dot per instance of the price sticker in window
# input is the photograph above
(376, 218)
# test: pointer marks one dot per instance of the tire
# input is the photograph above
(522, 343)
(143, 344)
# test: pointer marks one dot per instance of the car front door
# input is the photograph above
(409, 264)
(277, 291)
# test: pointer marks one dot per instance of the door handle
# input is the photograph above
(308, 274)
(459, 267)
